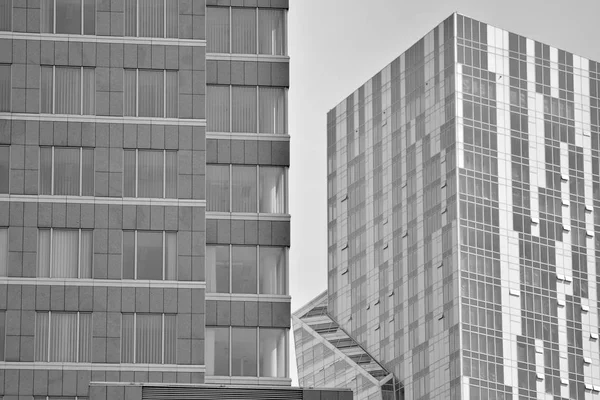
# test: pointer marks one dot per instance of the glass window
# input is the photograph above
(243, 30)
(2, 333)
(217, 29)
(272, 110)
(150, 255)
(150, 173)
(148, 338)
(217, 269)
(271, 32)
(151, 91)
(5, 20)
(243, 189)
(217, 187)
(66, 16)
(4, 168)
(145, 95)
(67, 90)
(3, 251)
(272, 357)
(5, 84)
(63, 337)
(217, 351)
(153, 18)
(67, 171)
(65, 253)
(243, 102)
(217, 108)
(272, 268)
(148, 332)
(243, 269)
(273, 197)
(243, 352)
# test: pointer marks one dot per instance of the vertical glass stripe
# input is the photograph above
(68, 90)
(129, 92)
(42, 320)
(86, 254)
(243, 109)
(217, 29)
(170, 339)
(43, 254)
(46, 92)
(85, 337)
(171, 175)
(65, 251)
(217, 108)
(272, 110)
(5, 20)
(172, 94)
(47, 16)
(172, 18)
(243, 30)
(130, 17)
(127, 338)
(5, 86)
(3, 253)
(89, 91)
(87, 172)
(171, 256)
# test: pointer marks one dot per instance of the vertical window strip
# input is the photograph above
(130, 17)
(5, 20)
(2, 334)
(47, 16)
(4, 169)
(217, 29)
(172, 18)
(130, 92)
(42, 337)
(65, 253)
(271, 31)
(5, 84)
(127, 338)
(46, 89)
(3, 252)
(243, 30)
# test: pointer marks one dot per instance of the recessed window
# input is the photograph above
(66, 171)
(68, 90)
(246, 269)
(150, 173)
(150, 93)
(73, 17)
(151, 18)
(245, 30)
(246, 352)
(5, 85)
(234, 109)
(150, 255)
(149, 338)
(63, 337)
(4, 168)
(65, 253)
(246, 189)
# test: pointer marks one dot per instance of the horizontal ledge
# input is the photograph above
(120, 283)
(102, 200)
(273, 137)
(249, 297)
(246, 57)
(59, 37)
(103, 367)
(248, 216)
(103, 119)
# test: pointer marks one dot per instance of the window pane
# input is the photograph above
(217, 351)
(45, 170)
(128, 255)
(150, 173)
(273, 269)
(4, 168)
(63, 337)
(170, 339)
(243, 352)
(5, 86)
(130, 17)
(151, 18)
(272, 190)
(171, 256)
(43, 253)
(151, 85)
(171, 175)
(272, 359)
(65, 251)
(86, 254)
(129, 173)
(3, 252)
(172, 97)
(46, 93)
(127, 338)
(271, 31)
(243, 27)
(217, 269)
(243, 269)
(47, 16)
(68, 16)
(66, 171)
(89, 17)
(243, 100)
(42, 327)
(149, 255)
(217, 188)
(87, 172)
(172, 19)
(2, 333)
(67, 92)
(85, 337)
(217, 108)
(217, 29)
(89, 91)
(272, 110)
(148, 332)
(129, 92)
(5, 20)
(243, 189)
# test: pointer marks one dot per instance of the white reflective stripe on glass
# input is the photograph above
(273, 197)
(271, 31)
(217, 29)
(271, 110)
(3, 251)
(243, 30)
(5, 85)
(272, 353)
(217, 108)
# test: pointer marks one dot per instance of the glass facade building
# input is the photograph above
(144, 227)
(464, 204)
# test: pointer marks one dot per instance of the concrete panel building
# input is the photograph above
(464, 218)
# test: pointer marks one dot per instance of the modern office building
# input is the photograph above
(464, 220)
(144, 229)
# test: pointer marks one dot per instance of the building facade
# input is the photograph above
(464, 214)
(143, 194)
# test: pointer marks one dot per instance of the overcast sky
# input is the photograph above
(337, 45)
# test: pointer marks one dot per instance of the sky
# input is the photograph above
(337, 45)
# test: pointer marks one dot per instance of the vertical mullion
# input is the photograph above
(53, 16)
(80, 171)
(137, 92)
(54, 86)
(49, 330)
(50, 260)
(79, 254)
(164, 21)
(257, 191)
(164, 91)
(257, 11)
(230, 36)
(258, 269)
(81, 76)
(135, 171)
(164, 174)
(230, 108)
(257, 110)
(52, 171)
(230, 188)
(77, 339)
(162, 353)
(257, 351)
(230, 349)
(137, 25)
(82, 18)
(135, 254)
(134, 334)
(164, 254)
(230, 270)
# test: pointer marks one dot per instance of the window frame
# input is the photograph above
(82, 21)
(164, 255)
(164, 174)
(53, 170)
(50, 253)
(258, 270)
(257, 330)
(258, 186)
(135, 338)
(81, 84)
(164, 89)
(78, 334)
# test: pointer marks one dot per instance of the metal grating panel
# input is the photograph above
(190, 393)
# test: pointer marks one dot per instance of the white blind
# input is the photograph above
(273, 198)
(243, 30)
(217, 187)
(272, 269)
(271, 32)
(5, 85)
(63, 337)
(85, 337)
(272, 353)
(217, 108)
(243, 100)
(65, 246)
(243, 189)
(3, 252)
(149, 338)
(217, 29)
(272, 110)
(67, 90)
(151, 18)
